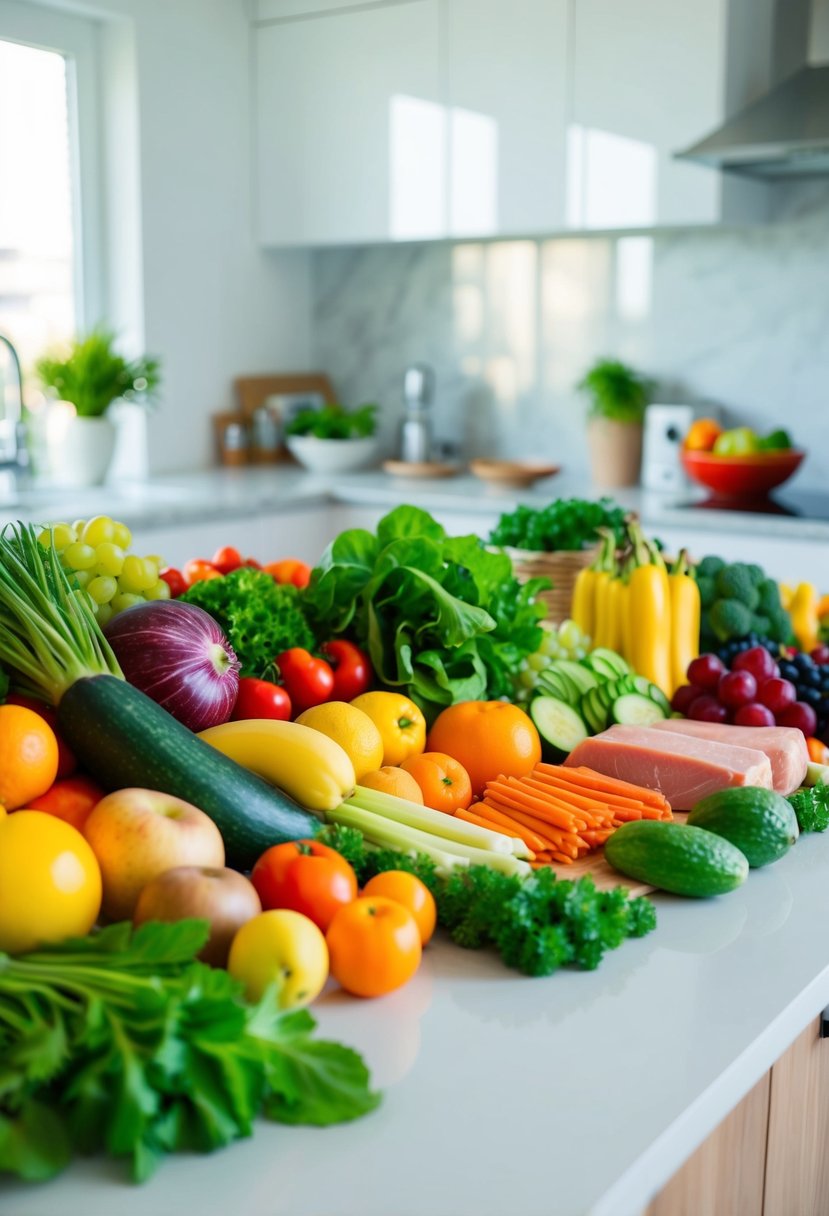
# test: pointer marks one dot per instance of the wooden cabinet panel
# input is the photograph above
(797, 1167)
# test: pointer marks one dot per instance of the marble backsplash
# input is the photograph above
(736, 319)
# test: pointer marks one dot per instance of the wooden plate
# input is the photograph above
(515, 473)
(425, 468)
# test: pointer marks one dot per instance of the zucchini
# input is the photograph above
(677, 858)
(632, 709)
(125, 739)
(558, 724)
(761, 823)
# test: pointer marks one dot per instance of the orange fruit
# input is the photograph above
(391, 780)
(489, 738)
(352, 729)
(408, 890)
(702, 435)
(401, 725)
(443, 782)
(28, 756)
(374, 946)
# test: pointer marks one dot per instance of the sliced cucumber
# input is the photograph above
(582, 677)
(643, 686)
(594, 710)
(635, 710)
(607, 663)
(551, 684)
(558, 724)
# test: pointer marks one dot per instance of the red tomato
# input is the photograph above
(226, 559)
(253, 563)
(261, 699)
(290, 570)
(175, 580)
(197, 570)
(71, 800)
(309, 681)
(306, 877)
(66, 758)
(352, 669)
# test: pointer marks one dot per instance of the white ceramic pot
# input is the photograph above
(332, 455)
(78, 450)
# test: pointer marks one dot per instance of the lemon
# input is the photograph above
(401, 725)
(352, 729)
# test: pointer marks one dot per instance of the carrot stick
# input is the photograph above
(496, 821)
(610, 785)
(560, 818)
(550, 835)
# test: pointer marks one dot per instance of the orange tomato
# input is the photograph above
(702, 435)
(414, 895)
(28, 756)
(489, 738)
(373, 946)
(197, 571)
(393, 780)
(71, 800)
(290, 570)
(443, 781)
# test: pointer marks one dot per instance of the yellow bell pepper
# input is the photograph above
(685, 618)
(803, 610)
(786, 595)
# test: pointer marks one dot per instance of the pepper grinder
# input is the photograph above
(416, 427)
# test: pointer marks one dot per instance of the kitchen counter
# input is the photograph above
(578, 1094)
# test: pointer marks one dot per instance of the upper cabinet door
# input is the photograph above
(351, 132)
(648, 78)
(506, 72)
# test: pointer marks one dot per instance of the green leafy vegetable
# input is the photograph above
(442, 618)
(260, 618)
(120, 1042)
(537, 923)
(812, 808)
(566, 523)
(334, 422)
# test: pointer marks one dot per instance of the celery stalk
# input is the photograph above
(438, 823)
(390, 835)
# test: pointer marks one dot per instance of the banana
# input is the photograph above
(303, 762)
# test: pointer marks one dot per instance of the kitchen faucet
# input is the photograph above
(11, 448)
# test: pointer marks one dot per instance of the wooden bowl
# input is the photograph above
(514, 473)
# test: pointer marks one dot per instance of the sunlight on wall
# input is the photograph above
(473, 207)
(634, 277)
(417, 168)
(611, 180)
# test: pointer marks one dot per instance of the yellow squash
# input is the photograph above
(685, 619)
(583, 609)
(650, 615)
(803, 610)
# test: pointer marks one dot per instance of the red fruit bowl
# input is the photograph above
(750, 476)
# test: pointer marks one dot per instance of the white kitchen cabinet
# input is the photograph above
(279, 10)
(507, 106)
(649, 78)
(350, 130)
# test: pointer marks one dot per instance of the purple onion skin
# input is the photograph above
(176, 654)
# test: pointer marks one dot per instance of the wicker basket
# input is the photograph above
(561, 568)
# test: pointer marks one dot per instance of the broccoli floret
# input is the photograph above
(757, 574)
(780, 625)
(710, 566)
(769, 596)
(760, 625)
(729, 618)
(707, 590)
(735, 583)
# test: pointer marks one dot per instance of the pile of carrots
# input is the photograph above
(563, 813)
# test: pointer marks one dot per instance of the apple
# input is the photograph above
(222, 896)
(137, 834)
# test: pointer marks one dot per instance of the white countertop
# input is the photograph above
(579, 1094)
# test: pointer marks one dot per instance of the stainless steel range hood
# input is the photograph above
(786, 132)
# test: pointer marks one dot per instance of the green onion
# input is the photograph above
(49, 637)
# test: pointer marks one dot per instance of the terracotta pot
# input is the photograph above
(615, 452)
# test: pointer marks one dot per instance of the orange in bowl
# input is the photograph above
(702, 435)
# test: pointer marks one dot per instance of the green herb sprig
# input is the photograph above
(811, 806)
(617, 392)
(334, 422)
(565, 523)
(92, 375)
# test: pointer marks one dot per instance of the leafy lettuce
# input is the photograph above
(443, 618)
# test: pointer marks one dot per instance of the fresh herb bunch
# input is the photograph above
(259, 617)
(334, 422)
(93, 375)
(537, 924)
(442, 618)
(617, 392)
(567, 523)
(121, 1043)
(812, 808)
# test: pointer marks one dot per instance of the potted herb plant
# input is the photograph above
(331, 439)
(618, 398)
(83, 384)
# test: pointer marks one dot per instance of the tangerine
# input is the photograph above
(489, 738)
(393, 780)
(28, 756)
(444, 782)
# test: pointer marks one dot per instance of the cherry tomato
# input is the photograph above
(290, 570)
(67, 763)
(253, 563)
(352, 669)
(309, 681)
(175, 580)
(408, 890)
(71, 800)
(197, 570)
(261, 699)
(226, 559)
(373, 946)
(306, 877)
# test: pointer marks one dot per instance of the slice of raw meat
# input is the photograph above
(784, 746)
(684, 768)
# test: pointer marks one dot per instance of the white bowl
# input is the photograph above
(332, 455)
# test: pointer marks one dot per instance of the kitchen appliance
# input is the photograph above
(416, 427)
(665, 428)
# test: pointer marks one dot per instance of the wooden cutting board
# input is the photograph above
(604, 876)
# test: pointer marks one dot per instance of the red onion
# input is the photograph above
(176, 654)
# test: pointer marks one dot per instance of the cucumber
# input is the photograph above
(124, 739)
(683, 860)
(582, 677)
(607, 663)
(594, 711)
(558, 724)
(553, 685)
(635, 710)
(761, 823)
